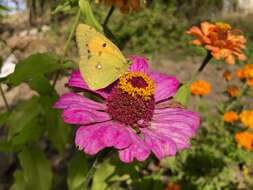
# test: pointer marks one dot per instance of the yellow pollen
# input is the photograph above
(223, 26)
(126, 85)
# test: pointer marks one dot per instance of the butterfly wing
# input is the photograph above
(101, 61)
(101, 70)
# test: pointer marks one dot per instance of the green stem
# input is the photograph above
(4, 98)
(67, 45)
(205, 62)
(91, 172)
(109, 14)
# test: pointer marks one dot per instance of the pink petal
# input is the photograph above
(165, 86)
(138, 64)
(93, 138)
(77, 81)
(176, 124)
(178, 115)
(160, 145)
(81, 115)
(70, 99)
(138, 149)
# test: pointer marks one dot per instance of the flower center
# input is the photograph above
(137, 84)
(131, 100)
(223, 26)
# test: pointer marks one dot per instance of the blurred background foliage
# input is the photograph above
(36, 147)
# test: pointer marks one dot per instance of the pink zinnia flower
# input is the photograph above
(136, 117)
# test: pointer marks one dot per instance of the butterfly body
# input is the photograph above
(101, 62)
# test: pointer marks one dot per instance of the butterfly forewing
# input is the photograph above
(101, 62)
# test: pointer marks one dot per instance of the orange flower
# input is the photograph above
(250, 82)
(227, 75)
(230, 117)
(246, 73)
(245, 139)
(240, 74)
(246, 118)
(233, 91)
(124, 5)
(220, 39)
(248, 69)
(173, 186)
(200, 88)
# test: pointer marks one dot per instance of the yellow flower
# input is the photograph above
(233, 91)
(245, 139)
(200, 88)
(230, 117)
(246, 118)
(220, 39)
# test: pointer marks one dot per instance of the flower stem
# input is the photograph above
(109, 14)
(67, 45)
(91, 172)
(4, 98)
(206, 60)
(99, 158)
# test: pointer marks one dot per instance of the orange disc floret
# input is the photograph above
(230, 117)
(227, 75)
(245, 139)
(173, 186)
(124, 5)
(220, 39)
(233, 91)
(200, 88)
(246, 118)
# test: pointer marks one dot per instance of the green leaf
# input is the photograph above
(41, 84)
(150, 183)
(87, 12)
(104, 171)
(183, 94)
(4, 8)
(34, 66)
(19, 183)
(30, 133)
(5, 146)
(36, 169)
(58, 131)
(22, 116)
(77, 172)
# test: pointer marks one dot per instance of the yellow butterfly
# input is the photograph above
(101, 62)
